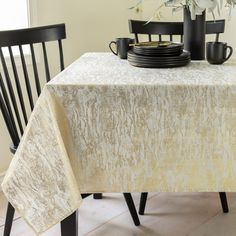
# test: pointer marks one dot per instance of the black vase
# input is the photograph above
(194, 34)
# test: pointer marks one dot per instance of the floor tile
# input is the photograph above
(94, 213)
(221, 224)
(20, 228)
(166, 215)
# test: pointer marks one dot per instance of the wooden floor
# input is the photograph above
(167, 214)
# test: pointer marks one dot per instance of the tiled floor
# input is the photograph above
(167, 214)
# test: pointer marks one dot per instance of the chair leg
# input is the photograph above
(9, 220)
(132, 209)
(97, 196)
(224, 202)
(142, 204)
(69, 226)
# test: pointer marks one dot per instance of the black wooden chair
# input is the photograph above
(171, 29)
(16, 107)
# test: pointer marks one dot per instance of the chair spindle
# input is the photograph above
(46, 62)
(8, 114)
(8, 122)
(27, 81)
(18, 86)
(11, 93)
(61, 55)
(136, 38)
(36, 75)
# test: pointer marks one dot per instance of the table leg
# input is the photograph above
(143, 201)
(69, 226)
(97, 196)
(132, 208)
(224, 202)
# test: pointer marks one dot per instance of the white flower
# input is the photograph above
(197, 7)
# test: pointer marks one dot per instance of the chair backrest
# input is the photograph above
(170, 28)
(13, 100)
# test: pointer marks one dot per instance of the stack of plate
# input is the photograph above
(155, 56)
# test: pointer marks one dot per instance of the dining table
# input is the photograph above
(102, 125)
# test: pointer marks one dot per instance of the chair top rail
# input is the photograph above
(215, 27)
(32, 35)
(141, 27)
(171, 28)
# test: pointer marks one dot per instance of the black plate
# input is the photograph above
(173, 49)
(169, 65)
(158, 62)
(183, 56)
(160, 54)
(158, 58)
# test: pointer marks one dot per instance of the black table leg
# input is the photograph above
(69, 226)
(224, 202)
(143, 201)
(97, 196)
(132, 208)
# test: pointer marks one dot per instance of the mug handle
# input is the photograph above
(116, 53)
(230, 52)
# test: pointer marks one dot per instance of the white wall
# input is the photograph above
(90, 24)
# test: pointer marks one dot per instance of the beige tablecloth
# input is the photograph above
(105, 126)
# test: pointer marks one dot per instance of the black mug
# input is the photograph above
(122, 47)
(217, 52)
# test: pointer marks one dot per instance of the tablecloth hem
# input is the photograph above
(48, 227)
